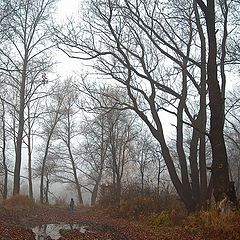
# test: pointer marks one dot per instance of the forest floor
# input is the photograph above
(18, 224)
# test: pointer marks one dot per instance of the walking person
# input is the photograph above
(71, 205)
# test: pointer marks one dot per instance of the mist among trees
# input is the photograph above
(155, 108)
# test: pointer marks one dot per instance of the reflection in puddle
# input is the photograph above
(52, 230)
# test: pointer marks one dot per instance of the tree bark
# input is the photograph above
(220, 174)
(202, 112)
(94, 194)
(193, 156)
(77, 184)
(18, 159)
(103, 148)
(29, 145)
(47, 190)
(43, 168)
(5, 186)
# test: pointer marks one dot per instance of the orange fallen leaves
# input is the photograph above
(14, 224)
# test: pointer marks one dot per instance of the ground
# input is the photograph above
(16, 223)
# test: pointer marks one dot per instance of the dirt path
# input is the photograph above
(17, 224)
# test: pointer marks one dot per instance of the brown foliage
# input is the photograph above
(203, 225)
(136, 203)
(214, 226)
(107, 196)
(19, 201)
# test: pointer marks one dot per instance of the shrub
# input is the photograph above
(136, 203)
(160, 219)
(60, 202)
(213, 225)
(19, 201)
(107, 196)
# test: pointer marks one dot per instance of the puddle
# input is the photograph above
(52, 230)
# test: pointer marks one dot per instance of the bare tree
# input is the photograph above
(32, 116)
(50, 170)
(94, 153)
(54, 110)
(108, 139)
(148, 158)
(136, 60)
(220, 174)
(121, 136)
(24, 59)
(151, 49)
(67, 131)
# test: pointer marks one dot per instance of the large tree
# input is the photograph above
(94, 153)
(68, 132)
(109, 140)
(156, 52)
(24, 59)
(216, 89)
(54, 110)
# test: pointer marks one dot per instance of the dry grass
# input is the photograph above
(215, 226)
(19, 201)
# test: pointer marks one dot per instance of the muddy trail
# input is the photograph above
(59, 224)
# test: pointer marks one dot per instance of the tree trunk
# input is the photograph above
(220, 174)
(96, 186)
(118, 191)
(220, 163)
(99, 178)
(193, 156)
(17, 168)
(43, 168)
(68, 144)
(142, 181)
(94, 194)
(77, 184)
(47, 190)
(180, 145)
(184, 195)
(202, 112)
(5, 186)
(30, 185)
(56, 119)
